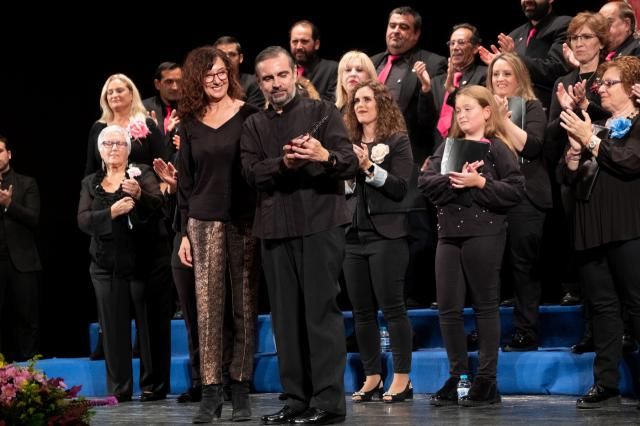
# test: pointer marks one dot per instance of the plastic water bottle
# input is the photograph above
(463, 385)
(385, 344)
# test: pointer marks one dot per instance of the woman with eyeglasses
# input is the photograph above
(121, 105)
(119, 208)
(604, 173)
(216, 208)
(588, 36)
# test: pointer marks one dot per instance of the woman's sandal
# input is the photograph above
(407, 393)
(366, 396)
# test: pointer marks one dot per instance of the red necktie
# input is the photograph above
(446, 113)
(300, 70)
(532, 33)
(384, 74)
(167, 116)
(610, 55)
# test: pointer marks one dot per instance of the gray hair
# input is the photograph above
(115, 129)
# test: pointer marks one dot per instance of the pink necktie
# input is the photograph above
(167, 117)
(300, 70)
(610, 55)
(446, 113)
(384, 74)
(532, 33)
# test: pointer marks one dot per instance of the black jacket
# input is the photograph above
(20, 221)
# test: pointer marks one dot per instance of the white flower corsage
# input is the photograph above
(138, 129)
(133, 171)
(379, 152)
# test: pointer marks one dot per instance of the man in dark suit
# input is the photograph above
(539, 44)
(231, 47)
(167, 82)
(403, 32)
(304, 42)
(463, 43)
(622, 37)
(19, 261)
(395, 69)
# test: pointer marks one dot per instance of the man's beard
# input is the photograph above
(539, 11)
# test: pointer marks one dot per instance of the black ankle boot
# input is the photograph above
(210, 405)
(98, 351)
(448, 394)
(240, 401)
(483, 391)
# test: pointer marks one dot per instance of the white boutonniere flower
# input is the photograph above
(133, 171)
(379, 152)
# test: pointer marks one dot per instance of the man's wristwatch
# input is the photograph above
(332, 160)
(370, 170)
(593, 142)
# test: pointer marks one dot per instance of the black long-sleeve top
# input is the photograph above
(143, 151)
(536, 177)
(307, 200)
(504, 188)
(210, 183)
(612, 213)
(114, 241)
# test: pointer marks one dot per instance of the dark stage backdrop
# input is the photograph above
(53, 68)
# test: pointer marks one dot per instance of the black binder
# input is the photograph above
(456, 153)
(518, 108)
(460, 151)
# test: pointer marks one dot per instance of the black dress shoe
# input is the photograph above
(285, 415)
(448, 394)
(521, 343)
(123, 398)
(599, 397)
(148, 396)
(584, 345)
(570, 300)
(317, 416)
(193, 394)
(483, 392)
(508, 303)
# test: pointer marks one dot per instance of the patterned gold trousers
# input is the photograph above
(218, 247)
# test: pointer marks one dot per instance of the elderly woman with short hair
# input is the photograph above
(119, 206)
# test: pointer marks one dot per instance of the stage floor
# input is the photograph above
(514, 410)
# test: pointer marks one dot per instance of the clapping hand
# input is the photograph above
(577, 128)
(167, 173)
(5, 196)
(362, 153)
(303, 149)
(469, 177)
(420, 68)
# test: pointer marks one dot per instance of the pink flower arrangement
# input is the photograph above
(138, 129)
(27, 397)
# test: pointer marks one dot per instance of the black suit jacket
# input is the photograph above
(630, 47)
(418, 125)
(252, 93)
(543, 57)
(20, 221)
(475, 74)
(387, 206)
(323, 73)
(155, 104)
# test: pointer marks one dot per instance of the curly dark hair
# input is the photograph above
(390, 119)
(193, 101)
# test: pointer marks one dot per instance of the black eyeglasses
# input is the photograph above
(460, 42)
(581, 37)
(607, 83)
(210, 76)
(110, 144)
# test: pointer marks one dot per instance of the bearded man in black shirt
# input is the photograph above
(296, 154)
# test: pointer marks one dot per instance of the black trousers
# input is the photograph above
(526, 223)
(374, 268)
(114, 294)
(186, 288)
(19, 312)
(302, 278)
(156, 275)
(610, 275)
(470, 264)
